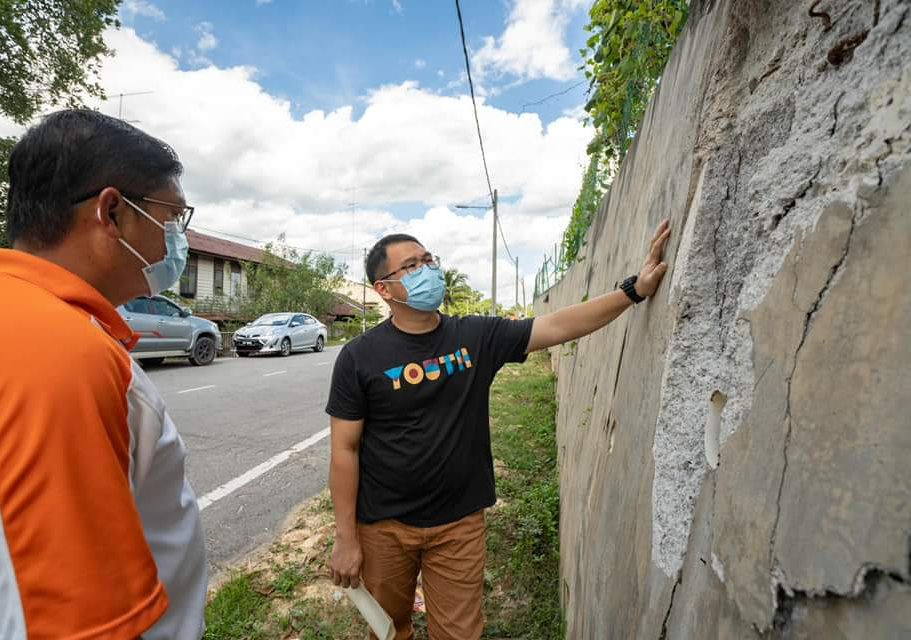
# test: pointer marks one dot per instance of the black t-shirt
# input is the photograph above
(425, 455)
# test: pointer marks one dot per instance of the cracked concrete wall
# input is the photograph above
(733, 453)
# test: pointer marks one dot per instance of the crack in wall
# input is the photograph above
(871, 579)
(778, 217)
(834, 272)
(835, 114)
(619, 363)
(670, 606)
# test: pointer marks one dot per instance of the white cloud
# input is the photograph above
(8, 128)
(441, 73)
(196, 59)
(577, 112)
(262, 2)
(132, 8)
(532, 45)
(207, 39)
(255, 169)
(397, 7)
(420, 63)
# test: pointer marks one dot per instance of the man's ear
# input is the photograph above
(380, 287)
(105, 211)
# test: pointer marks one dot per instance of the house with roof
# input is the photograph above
(215, 282)
(214, 278)
(359, 296)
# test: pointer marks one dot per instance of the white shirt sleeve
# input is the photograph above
(169, 512)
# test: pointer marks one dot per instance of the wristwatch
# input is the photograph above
(629, 289)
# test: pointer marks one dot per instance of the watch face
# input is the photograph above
(630, 290)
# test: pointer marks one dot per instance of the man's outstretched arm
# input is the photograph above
(584, 318)
(344, 475)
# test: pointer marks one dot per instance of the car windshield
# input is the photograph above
(272, 320)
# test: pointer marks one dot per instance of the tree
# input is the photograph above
(6, 145)
(472, 303)
(50, 53)
(457, 288)
(288, 280)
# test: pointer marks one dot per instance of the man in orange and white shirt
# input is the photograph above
(100, 534)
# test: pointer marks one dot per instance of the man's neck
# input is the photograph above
(416, 322)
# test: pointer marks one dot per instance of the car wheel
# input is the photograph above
(286, 347)
(320, 343)
(154, 362)
(203, 351)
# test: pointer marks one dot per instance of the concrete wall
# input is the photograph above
(734, 452)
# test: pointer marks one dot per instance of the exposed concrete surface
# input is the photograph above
(734, 452)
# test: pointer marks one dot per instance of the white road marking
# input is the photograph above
(233, 485)
(208, 386)
(320, 364)
(274, 373)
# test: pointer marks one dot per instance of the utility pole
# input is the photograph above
(493, 274)
(353, 205)
(517, 284)
(524, 306)
(364, 304)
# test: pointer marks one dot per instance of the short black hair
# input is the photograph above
(73, 154)
(376, 259)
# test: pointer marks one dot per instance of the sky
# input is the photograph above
(336, 122)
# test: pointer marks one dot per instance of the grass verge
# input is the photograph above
(284, 591)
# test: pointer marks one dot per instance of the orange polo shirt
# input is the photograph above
(74, 562)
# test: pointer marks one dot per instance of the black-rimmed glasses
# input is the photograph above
(182, 217)
(414, 264)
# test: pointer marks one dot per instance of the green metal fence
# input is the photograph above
(555, 266)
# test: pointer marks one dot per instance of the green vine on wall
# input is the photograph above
(583, 210)
(624, 57)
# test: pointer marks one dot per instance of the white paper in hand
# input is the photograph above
(378, 620)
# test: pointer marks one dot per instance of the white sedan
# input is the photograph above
(280, 333)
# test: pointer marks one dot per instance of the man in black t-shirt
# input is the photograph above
(411, 469)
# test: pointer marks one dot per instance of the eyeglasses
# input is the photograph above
(182, 217)
(414, 264)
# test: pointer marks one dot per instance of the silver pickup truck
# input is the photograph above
(167, 330)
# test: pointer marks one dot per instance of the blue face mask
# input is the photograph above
(164, 273)
(425, 288)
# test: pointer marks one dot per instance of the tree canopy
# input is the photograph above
(291, 280)
(50, 54)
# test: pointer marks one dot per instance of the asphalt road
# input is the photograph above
(235, 415)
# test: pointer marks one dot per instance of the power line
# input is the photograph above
(503, 237)
(474, 104)
(553, 95)
(345, 252)
(499, 226)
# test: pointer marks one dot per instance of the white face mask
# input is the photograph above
(164, 273)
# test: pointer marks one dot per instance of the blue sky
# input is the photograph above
(327, 54)
(283, 112)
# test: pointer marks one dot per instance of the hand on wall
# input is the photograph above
(654, 268)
